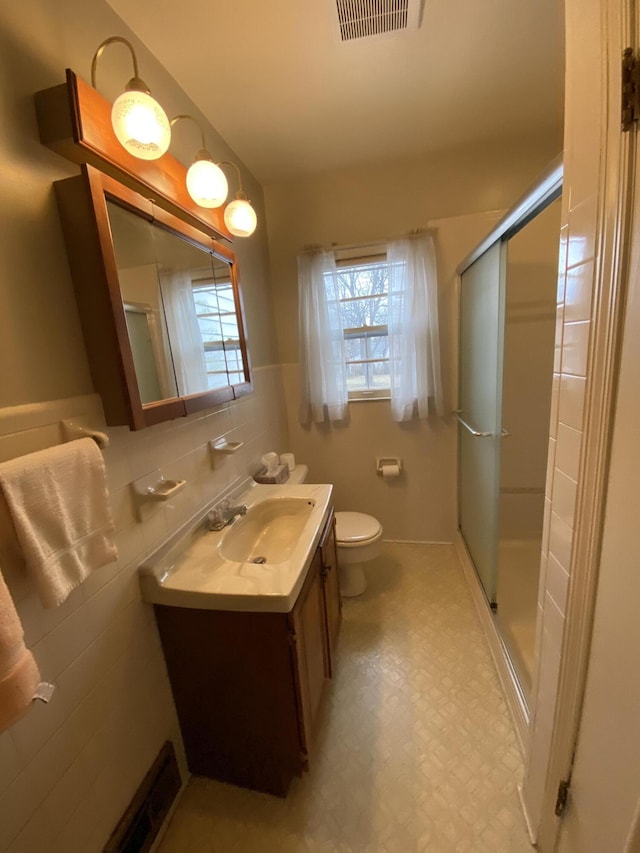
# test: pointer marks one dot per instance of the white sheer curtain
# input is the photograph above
(323, 377)
(414, 340)
(182, 324)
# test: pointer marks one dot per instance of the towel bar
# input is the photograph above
(72, 430)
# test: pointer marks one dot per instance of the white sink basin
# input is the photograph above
(257, 563)
(268, 533)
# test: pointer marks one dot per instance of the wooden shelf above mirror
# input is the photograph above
(75, 121)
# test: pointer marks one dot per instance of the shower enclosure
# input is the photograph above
(506, 364)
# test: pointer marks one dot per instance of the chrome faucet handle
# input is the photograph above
(216, 518)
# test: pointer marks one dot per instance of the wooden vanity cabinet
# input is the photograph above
(247, 686)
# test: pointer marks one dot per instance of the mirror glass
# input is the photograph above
(180, 309)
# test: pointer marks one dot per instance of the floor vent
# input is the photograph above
(139, 825)
(364, 18)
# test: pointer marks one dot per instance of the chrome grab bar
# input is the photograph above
(503, 432)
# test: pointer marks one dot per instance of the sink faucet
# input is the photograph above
(223, 515)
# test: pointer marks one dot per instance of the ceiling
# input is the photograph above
(291, 99)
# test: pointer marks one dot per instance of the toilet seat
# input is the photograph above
(356, 529)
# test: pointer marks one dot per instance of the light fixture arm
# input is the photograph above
(136, 82)
(241, 193)
(203, 145)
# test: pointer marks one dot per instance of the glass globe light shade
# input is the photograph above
(140, 125)
(240, 218)
(207, 183)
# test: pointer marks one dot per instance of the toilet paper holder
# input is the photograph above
(383, 462)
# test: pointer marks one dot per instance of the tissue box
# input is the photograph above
(280, 475)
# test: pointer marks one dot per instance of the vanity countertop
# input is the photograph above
(207, 569)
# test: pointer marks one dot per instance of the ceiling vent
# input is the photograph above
(363, 18)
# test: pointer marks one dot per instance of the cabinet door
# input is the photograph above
(310, 647)
(332, 600)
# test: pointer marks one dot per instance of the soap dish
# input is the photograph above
(224, 446)
(163, 490)
(154, 489)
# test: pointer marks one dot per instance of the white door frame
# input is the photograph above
(614, 187)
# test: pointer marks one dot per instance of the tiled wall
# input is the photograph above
(68, 769)
(577, 260)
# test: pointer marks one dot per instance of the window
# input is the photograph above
(369, 328)
(218, 322)
(363, 292)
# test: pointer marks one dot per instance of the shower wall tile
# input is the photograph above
(571, 401)
(575, 348)
(555, 402)
(546, 526)
(579, 292)
(567, 450)
(557, 583)
(582, 225)
(560, 539)
(563, 498)
(551, 463)
(552, 635)
(557, 353)
(562, 261)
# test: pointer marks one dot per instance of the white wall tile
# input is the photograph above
(562, 261)
(551, 462)
(560, 540)
(557, 583)
(579, 292)
(557, 352)
(571, 401)
(575, 348)
(112, 707)
(555, 403)
(563, 499)
(567, 456)
(582, 225)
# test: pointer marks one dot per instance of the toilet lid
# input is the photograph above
(356, 527)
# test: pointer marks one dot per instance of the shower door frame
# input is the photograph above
(546, 190)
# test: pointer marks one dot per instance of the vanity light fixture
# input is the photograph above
(206, 182)
(139, 122)
(239, 216)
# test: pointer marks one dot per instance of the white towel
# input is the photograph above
(19, 675)
(60, 509)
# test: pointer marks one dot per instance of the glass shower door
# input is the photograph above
(482, 297)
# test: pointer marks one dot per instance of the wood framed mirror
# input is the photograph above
(159, 302)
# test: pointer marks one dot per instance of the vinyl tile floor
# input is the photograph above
(415, 749)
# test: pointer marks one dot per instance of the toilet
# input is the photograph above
(359, 539)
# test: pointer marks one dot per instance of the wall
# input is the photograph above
(451, 192)
(68, 769)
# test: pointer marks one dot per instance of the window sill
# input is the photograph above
(365, 398)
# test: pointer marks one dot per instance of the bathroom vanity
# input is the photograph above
(248, 676)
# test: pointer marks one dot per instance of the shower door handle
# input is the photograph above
(504, 433)
(473, 431)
